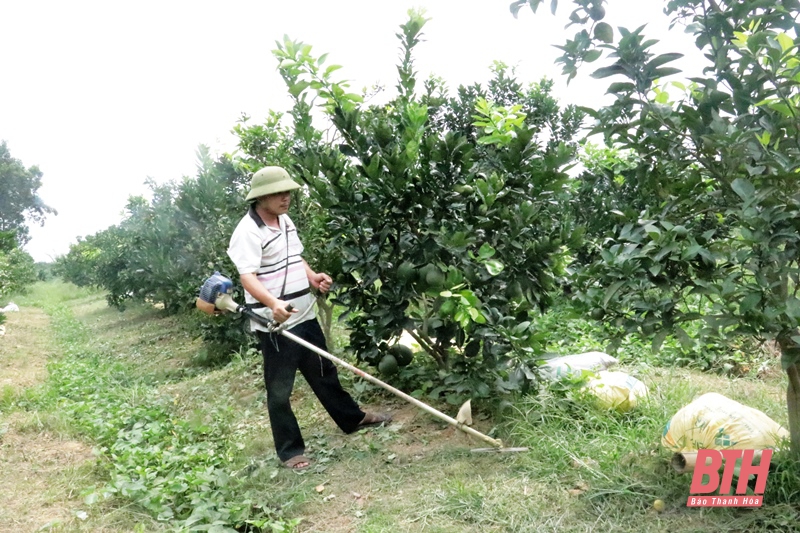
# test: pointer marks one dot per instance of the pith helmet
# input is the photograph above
(270, 180)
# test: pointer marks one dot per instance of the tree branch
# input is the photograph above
(425, 342)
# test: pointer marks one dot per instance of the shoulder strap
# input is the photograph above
(285, 230)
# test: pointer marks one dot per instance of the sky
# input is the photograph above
(103, 95)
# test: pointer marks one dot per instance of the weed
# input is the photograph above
(176, 469)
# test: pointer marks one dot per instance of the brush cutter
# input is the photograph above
(215, 295)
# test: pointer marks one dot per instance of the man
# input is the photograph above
(267, 252)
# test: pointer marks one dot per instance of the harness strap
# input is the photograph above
(290, 296)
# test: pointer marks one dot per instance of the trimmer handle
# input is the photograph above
(271, 324)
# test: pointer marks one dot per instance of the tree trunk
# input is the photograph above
(790, 357)
(426, 344)
(793, 404)
(325, 315)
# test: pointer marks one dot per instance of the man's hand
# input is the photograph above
(279, 312)
(320, 281)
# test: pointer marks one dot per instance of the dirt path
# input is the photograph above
(38, 465)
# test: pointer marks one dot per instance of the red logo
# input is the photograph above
(710, 462)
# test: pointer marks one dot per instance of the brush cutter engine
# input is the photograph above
(214, 286)
(215, 296)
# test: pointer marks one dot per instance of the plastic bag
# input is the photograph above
(616, 390)
(716, 422)
(11, 307)
(574, 365)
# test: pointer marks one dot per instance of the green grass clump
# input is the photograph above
(179, 470)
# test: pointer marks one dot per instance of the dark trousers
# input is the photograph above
(282, 358)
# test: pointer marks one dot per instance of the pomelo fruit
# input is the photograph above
(402, 354)
(388, 365)
(406, 271)
(472, 348)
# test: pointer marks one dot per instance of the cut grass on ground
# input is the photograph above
(586, 470)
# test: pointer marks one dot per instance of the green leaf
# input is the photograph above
(469, 298)
(749, 302)
(521, 328)
(684, 338)
(658, 340)
(612, 289)
(330, 69)
(652, 231)
(782, 108)
(605, 72)
(494, 266)
(588, 110)
(298, 88)
(663, 58)
(793, 307)
(476, 315)
(486, 251)
(592, 55)
(743, 188)
(664, 72)
(691, 252)
(785, 41)
(620, 86)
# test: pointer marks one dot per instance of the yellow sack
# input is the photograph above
(616, 390)
(716, 422)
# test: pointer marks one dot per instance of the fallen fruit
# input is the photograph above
(659, 505)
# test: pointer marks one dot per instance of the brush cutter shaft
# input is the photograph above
(215, 294)
(425, 407)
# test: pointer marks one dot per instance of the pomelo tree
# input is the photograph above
(710, 230)
(447, 213)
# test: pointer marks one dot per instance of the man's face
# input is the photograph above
(276, 204)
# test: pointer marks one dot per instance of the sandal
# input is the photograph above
(372, 419)
(296, 460)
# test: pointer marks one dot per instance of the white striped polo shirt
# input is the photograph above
(275, 255)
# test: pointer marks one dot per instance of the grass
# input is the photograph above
(172, 433)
